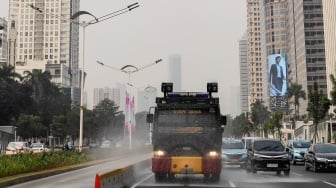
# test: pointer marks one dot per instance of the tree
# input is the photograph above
(105, 113)
(318, 106)
(241, 126)
(333, 91)
(259, 114)
(30, 126)
(295, 90)
(276, 121)
(14, 97)
(48, 98)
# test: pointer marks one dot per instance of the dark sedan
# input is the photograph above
(320, 156)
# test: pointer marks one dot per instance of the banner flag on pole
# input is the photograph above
(133, 113)
(127, 102)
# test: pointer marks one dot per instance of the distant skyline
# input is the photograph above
(204, 34)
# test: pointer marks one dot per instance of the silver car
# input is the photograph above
(233, 153)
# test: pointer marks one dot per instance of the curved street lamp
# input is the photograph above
(129, 70)
(85, 24)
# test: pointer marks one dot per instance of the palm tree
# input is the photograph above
(259, 113)
(40, 83)
(7, 73)
(295, 90)
(318, 106)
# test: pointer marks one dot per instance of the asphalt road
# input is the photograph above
(236, 177)
(84, 177)
(230, 177)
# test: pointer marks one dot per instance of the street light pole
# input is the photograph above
(81, 108)
(84, 25)
(129, 70)
(150, 90)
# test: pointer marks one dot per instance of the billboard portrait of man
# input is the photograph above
(278, 85)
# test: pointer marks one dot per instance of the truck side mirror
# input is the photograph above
(223, 120)
(150, 118)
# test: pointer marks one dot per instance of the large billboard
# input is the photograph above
(277, 75)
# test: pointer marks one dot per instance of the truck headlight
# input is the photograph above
(159, 153)
(213, 154)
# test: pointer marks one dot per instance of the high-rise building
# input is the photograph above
(3, 41)
(255, 73)
(306, 46)
(273, 47)
(175, 72)
(329, 20)
(45, 35)
(243, 67)
(100, 94)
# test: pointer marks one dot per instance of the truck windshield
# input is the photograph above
(187, 117)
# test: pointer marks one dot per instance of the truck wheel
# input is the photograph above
(286, 172)
(171, 177)
(159, 177)
(215, 177)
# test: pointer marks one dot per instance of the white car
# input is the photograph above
(17, 147)
(38, 148)
(106, 144)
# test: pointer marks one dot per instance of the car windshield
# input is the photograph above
(301, 144)
(37, 145)
(106, 142)
(268, 145)
(15, 144)
(325, 148)
(233, 145)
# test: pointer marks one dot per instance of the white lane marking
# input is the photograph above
(296, 174)
(140, 182)
(334, 185)
(232, 184)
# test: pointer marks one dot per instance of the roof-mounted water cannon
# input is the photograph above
(212, 87)
(166, 88)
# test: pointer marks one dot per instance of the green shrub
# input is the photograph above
(29, 162)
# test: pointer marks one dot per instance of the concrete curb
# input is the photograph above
(122, 177)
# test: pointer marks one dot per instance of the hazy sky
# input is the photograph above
(204, 32)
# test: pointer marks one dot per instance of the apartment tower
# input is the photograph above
(100, 94)
(175, 71)
(273, 45)
(46, 39)
(243, 68)
(255, 80)
(329, 20)
(3, 41)
(306, 46)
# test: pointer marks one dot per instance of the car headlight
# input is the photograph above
(297, 153)
(321, 159)
(256, 155)
(285, 156)
(159, 153)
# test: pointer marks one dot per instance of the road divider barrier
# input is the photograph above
(122, 177)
